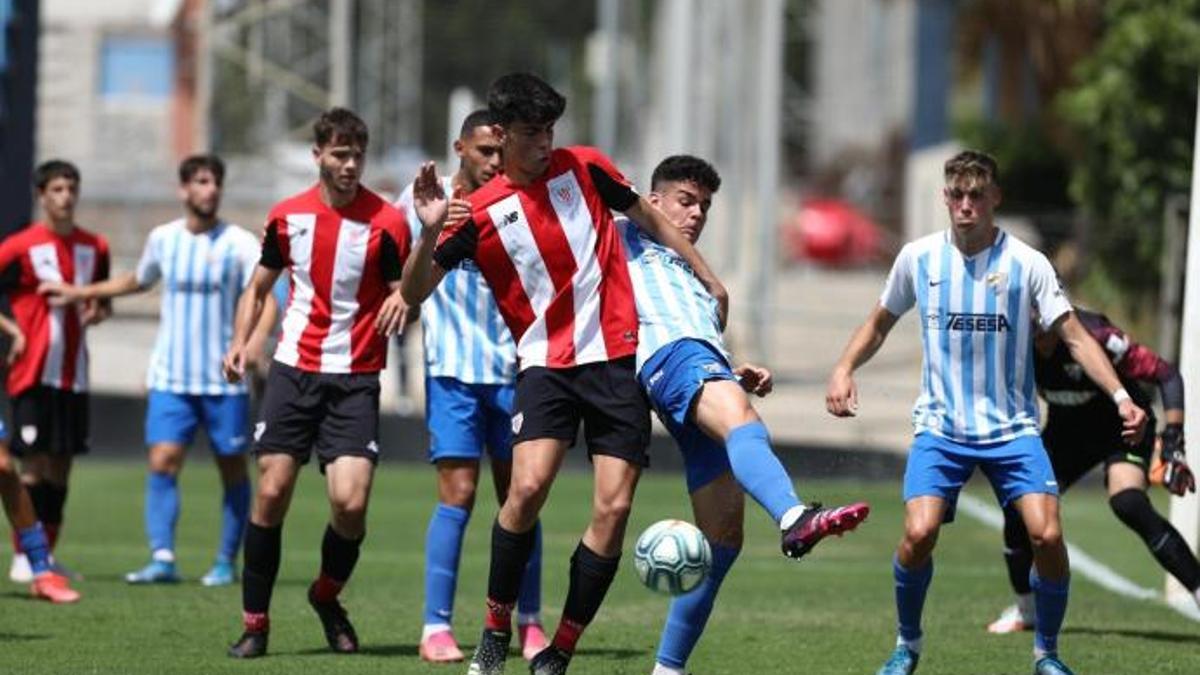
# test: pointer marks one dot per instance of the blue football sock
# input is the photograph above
(443, 544)
(1050, 607)
(36, 547)
(161, 510)
(529, 602)
(911, 587)
(758, 470)
(689, 613)
(235, 510)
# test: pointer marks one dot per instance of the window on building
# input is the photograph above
(136, 68)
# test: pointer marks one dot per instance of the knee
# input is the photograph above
(524, 495)
(1046, 537)
(351, 508)
(613, 512)
(271, 492)
(460, 493)
(920, 534)
(8, 467)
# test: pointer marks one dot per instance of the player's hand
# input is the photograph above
(233, 366)
(1133, 421)
(459, 210)
(1177, 476)
(841, 395)
(16, 348)
(754, 379)
(429, 199)
(94, 312)
(392, 314)
(59, 294)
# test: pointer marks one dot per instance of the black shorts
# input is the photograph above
(1079, 438)
(335, 414)
(605, 396)
(50, 420)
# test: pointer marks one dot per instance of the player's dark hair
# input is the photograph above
(686, 168)
(340, 124)
(972, 165)
(521, 97)
(51, 169)
(194, 164)
(478, 118)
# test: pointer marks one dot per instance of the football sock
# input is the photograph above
(529, 602)
(34, 544)
(591, 575)
(1050, 605)
(510, 554)
(338, 558)
(911, 588)
(758, 470)
(161, 511)
(1134, 509)
(55, 503)
(689, 612)
(443, 544)
(260, 562)
(1018, 552)
(235, 512)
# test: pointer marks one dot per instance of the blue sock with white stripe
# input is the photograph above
(689, 612)
(758, 470)
(911, 588)
(161, 511)
(529, 602)
(443, 544)
(1050, 607)
(36, 547)
(235, 510)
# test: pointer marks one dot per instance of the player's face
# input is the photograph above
(341, 165)
(58, 199)
(686, 204)
(971, 203)
(201, 194)
(527, 146)
(479, 153)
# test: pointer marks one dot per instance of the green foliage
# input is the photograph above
(1133, 115)
(1033, 172)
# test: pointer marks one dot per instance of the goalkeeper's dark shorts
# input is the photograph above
(1078, 438)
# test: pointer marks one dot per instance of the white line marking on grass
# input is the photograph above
(1081, 563)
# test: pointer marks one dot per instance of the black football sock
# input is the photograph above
(1134, 509)
(591, 575)
(260, 567)
(510, 553)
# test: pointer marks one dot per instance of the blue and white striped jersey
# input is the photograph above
(465, 335)
(672, 304)
(976, 316)
(203, 275)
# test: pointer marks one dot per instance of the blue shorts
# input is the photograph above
(173, 418)
(673, 378)
(939, 467)
(3, 432)
(463, 418)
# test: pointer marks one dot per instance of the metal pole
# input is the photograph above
(1174, 257)
(604, 107)
(341, 59)
(204, 78)
(770, 77)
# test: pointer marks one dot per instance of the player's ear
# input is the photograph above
(458, 147)
(996, 195)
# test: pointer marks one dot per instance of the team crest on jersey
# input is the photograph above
(258, 431)
(564, 189)
(997, 281)
(29, 434)
(517, 421)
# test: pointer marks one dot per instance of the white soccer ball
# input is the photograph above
(672, 557)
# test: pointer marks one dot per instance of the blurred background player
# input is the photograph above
(48, 583)
(48, 382)
(543, 236)
(205, 263)
(470, 366)
(344, 247)
(1082, 430)
(683, 366)
(977, 289)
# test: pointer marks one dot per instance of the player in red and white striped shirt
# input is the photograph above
(344, 247)
(48, 383)
(542, 233)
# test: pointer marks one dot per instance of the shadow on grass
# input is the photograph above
(1156, 635)
(412, 650)
(21, 637)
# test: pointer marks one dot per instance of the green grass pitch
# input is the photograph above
(831, 613)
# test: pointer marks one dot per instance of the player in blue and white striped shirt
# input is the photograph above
(684, 367)
(979, 291)
(204, 264)
(470, 368)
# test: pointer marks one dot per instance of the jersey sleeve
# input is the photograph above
(273, 255)
(103, 260)
(149, 267)
(899, 293)
(1047, 294)
(391, 258)
(457, 243)
(615, 190)
(10, 264)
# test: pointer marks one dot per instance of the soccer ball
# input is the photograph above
(672, 557)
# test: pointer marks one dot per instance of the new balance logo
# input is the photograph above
(510, 218)
(977, 323)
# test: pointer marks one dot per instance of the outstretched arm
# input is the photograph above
(1091, 356)
(59, 293)
(841, 395)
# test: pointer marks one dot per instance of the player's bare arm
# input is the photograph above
(1089, 354)
(16, 336)
(58, 293)
(656, 223)
(249, 310)
(256, 345)
(841, 395)
(421, 273)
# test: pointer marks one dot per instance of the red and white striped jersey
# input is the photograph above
(341, 262)
(553, 258)
(55, 350)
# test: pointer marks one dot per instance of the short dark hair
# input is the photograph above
(340, 124)
(477, 118)
(680, 168)
(522, 97)
(194, 164)
(54, 168)
(972, 164)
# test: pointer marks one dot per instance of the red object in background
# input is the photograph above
(832, 232)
